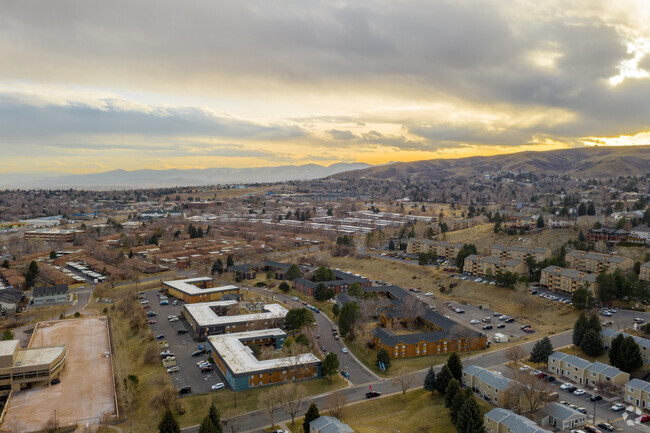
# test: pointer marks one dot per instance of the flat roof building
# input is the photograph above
(201, 289)
(214, 318)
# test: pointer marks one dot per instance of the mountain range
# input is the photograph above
(583, 162)
(123, 179)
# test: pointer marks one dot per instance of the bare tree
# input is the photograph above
(405, 381)
(270, 401)
(337, 402)
(165, 399)
(51, 426)
(515, 354)
(412, 309)
(232, 420)
(526, 394)
(293, 395)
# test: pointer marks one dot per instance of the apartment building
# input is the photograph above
(490, 385)
(637, 393)
(215, 318)
(520, 252)
(644, 344)
(480, 265)
(560, 223)
(243, 370)
(567, 281)
(52, 235)
(500, 420)
(582, 371)
(443, 249)
(644, 274)
(462, 224)
(640, 234)
(607, 234)
(595, 263)
(341, 284)
(201, 289)
(560, 416)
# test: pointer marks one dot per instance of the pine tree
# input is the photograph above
(452, 389)
(579, 329)
(591, 343)
(443, 378)
(541, 351)
(455, 366)
(470, 419)
(310, 415)
(229, 261)
(207, 426)
(214, 416)
(457, 404)
(594, 323)
(615, 351)
(625, 353)
(168, 423)
(430, 380)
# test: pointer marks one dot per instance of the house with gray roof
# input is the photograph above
(561, 416)
(582, 371)
(644, 344)
(50, 295)
(500, 420)
(490, 385)
(329, 424)
(637, 393)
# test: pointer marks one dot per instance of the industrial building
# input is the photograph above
(201, 289)
(214, 318)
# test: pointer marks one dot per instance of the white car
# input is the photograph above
(295, 298)
(524, 368)
(579, 392)
(428, 294)
(217, 386)
(174, 319)
(171, 316)
(565, 386)
(344, 350)
(618, 407)
(473, 321)
(174, 369)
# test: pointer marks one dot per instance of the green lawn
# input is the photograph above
(421, 412)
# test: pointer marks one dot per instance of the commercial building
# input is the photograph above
(520, 252)
(341, 284)
(609, 334)
(201, 289)
(481, 266)
(214, 318)
(490, 385)
(51, 235)
(20, 368)
(500, 420)
(50, 295)
(595, 263)
(563, 280)
(243, 370)
(644, 274)
(584, 372)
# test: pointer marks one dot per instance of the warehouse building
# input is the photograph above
(243, 370)
(201, 289)
(214, 318)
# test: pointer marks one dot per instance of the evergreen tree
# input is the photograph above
(310, 415)
(207, 426)
(168, 423)
(293, 272)
(443, 378)
(452, 389)
(330, 364)
(382, 356)
(30, 275)
(457, 404)
(579, 329)
(230, 261)
(466, 250)
(285, 287)
(615, 350)
(470, 419)
(625, 353)
(455, 366)
(591, 343)
(581, 236)
(430, 380)
(541, 351)
(594, 323)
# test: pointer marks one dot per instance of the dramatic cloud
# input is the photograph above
(128, 84)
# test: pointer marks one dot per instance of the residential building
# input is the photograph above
(329, 424)
(52, 235)
(341, 284)
(48, 295)
(21, 368)
(242, 370)
(557, 222)
(201, 289)
(10, 299)
(443, 249)
(560, 416)
(637, 393)
(481, 265)
(248, 271)
(567, 281)
(644, 274)
(215, 318)
(12, 278)
(609, 334)
(500, 420)
(490, 385)
(640, 234)
(584, 372)
(520, 252)
(607, 234)
(595, 263)
(462, 224)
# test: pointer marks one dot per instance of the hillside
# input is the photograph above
(585, 162)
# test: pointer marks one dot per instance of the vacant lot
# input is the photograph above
(86, 391)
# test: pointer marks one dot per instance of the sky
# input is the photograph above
(90, 86)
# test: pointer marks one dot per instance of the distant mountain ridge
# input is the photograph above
(585, 162)
(123, 179)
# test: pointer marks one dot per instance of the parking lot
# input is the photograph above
(182, 346)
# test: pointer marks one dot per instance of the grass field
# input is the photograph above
(420, 412)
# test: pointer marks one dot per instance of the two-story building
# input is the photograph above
(640, 234)
(443, 249)
(341, 284)
(608, 335)
(607, 234)
(581, 371)
(595, 263)
(563, 280)
(644, 272)
(520, 252)
(50, 295)
(215, 318)
(500, 420)
(490, 385)
(637, 393)
(480, 266)
(560, 416)
(194, 290)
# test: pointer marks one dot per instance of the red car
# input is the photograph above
(592, 429)
(529, 330)
(644, 418)
(152, 322)
(542, 376)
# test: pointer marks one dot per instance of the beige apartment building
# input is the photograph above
(490, 385)
(584, 372)
(637, 393)
(595, 263)
(609, 334)
(520, 252)
(644, 275)
(462, 224)
(500, 420)
(563, 280)
(443, 249)
(22, 367)
(481, 266)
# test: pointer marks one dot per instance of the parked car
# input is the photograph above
(160, 336)
(473, 321)
(501, 325)
(618, 407)
(295, 298)
(151, 313)
(579, 391)
(185, 390)
(174, 369)
(643, 418)
(638, 320)
(550, 379)
(345, 373)
(582, 410)
(578, 431)
(541, 375)
(592, 429)
(529, 330)
(372, 394)
(509, 320)
(206, 369)
(344, 350)
(218, 386)
(323, 349)
(197, 353)
(164, 302)
(595, 398)
(565, 386)
(152, 322)
(55, 381)
(607, 426)
(182, 331)
(488, 327)
(524, 327)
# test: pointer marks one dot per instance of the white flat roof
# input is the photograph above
(8, 347)
(240, 359)
(188, 288)
(204, 315)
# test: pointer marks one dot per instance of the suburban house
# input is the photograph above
(480, 266)
(520, 252)
(489, 384)
(595, 263)
(560, 416)
(644, 274)
(47, 295)
(584, 372)
(329, 424)
(500, 420)
(644, 344)
(341, 284)
(607, 234)
(564, 280)
(10, 299)
(640, 234)
(637, 393)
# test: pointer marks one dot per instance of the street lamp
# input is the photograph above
(595, 400)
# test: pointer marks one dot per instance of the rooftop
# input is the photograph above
(204, 314)
(187, 287)
(8, 347)
(38, 356)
